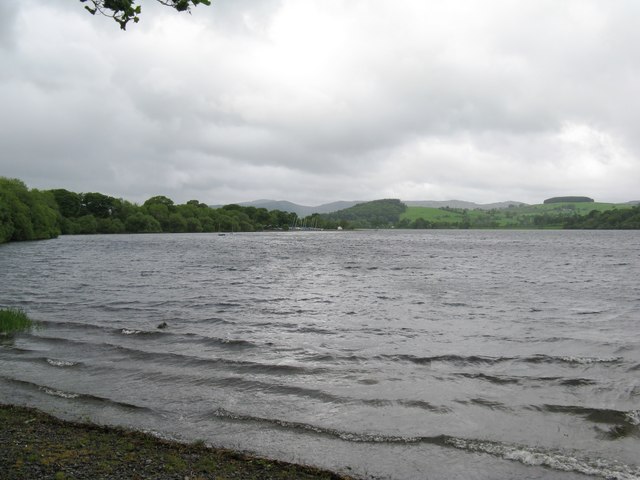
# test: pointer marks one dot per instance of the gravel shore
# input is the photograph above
(36, 445)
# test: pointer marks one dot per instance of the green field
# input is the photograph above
(550, 215)
(431, 214)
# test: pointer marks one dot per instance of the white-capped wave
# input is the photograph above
(590, 360)
(59, 363)
(126, 331)
(59, 393)
(547, 458)
(633, 417)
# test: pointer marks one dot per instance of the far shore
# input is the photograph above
(38, 445)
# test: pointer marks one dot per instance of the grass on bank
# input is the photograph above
(14, 320)
(37, 445)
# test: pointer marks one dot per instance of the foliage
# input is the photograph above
(26, 214)
(87, 224)
(141, 223)
(69, 203)
(97, 204)
(89, 213)
(30, 214)
(14, 320)
(123, 11)
(611, 219)
(161, 200)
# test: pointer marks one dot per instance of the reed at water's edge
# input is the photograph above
(14, 320)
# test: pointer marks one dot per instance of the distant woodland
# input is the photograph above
(569, 200)
(30, 214)
(39, 214)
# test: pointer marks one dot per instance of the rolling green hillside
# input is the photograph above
(432, 214)
(375, 214)
(551, 215)
(395, 214)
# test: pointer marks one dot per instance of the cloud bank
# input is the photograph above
(318, 101)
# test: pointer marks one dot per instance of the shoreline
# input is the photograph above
(39, 445)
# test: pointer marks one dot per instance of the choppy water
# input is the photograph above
(401, 355)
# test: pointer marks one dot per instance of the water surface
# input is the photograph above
(388, 354)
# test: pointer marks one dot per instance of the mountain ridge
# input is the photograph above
(306, 210)
(300, 210)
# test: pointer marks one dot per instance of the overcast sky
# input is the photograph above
(320, 100)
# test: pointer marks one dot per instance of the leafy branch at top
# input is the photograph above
(123, 11)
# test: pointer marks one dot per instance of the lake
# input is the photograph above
(383, 354)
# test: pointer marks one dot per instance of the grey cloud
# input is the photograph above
(321, 101)
(8, 17)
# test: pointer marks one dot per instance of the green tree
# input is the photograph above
(69, 203)
(176, 223)
(26, 214)
(280, 219)
(123, 209)
(110, 225)
(232, 207)
(194, 225)
(160, 212)
(189, 210)
(123, 11)
(16, 223)
(44, 214)
(421, 223)
(208, 225)
(141, 223)
(6, 223)
(160, 200)
(197, 203)
(85, 225)
(97, 204)
(627, 218)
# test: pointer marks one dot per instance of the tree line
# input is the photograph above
(618, 219)
(31, 214)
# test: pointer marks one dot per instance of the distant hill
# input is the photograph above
(305, 210)
(461, 204)
(300, 210)
(377, 213)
